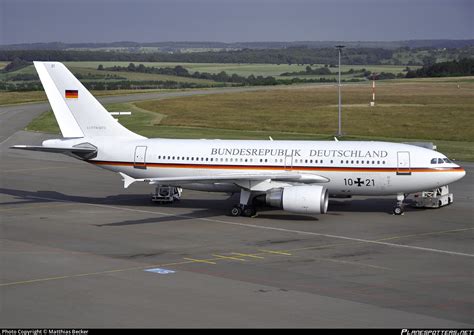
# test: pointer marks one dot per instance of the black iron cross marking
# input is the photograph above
(359, 182)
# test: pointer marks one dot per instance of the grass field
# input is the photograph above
(136, 76)
(436, 111)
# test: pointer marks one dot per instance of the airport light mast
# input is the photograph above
(339, 131)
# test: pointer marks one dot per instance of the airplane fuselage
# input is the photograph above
(352, 167)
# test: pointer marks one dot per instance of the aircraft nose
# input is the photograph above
(459, 173)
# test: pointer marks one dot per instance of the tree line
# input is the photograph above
(463, 67)
(291, 55)
(180, 71)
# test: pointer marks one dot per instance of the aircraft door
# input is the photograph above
(140, 157)
(403, 163)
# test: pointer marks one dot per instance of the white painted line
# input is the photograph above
(300, 232)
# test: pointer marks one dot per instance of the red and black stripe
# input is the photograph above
(72, 94)
(275, 167)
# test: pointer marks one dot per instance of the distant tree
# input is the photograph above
(16, 64)
(428, 60)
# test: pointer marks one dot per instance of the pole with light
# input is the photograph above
(339, 131)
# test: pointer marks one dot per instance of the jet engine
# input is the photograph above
(299, 199)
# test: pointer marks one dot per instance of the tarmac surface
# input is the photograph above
(75, 249)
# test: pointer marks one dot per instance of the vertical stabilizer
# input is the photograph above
(78, 113)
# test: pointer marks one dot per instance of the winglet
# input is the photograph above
(127, 180)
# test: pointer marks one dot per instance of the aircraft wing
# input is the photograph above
(306, 178)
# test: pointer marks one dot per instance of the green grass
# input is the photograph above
(77, 68)
(434, 111)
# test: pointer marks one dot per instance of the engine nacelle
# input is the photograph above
(299, 199)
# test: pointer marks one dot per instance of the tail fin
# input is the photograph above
(78, 113)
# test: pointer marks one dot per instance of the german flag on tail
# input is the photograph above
(72, 94)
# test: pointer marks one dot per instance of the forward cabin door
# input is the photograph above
(403, 163)
(140, 154)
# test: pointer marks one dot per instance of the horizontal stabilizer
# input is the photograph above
(75, 151)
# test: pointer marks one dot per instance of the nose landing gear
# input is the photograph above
(399, 207)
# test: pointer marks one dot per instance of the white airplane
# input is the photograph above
(297, 176)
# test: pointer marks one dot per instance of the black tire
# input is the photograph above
(249, 212)
(397, 210)
(235, 211)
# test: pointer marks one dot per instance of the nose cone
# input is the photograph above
(458, 173)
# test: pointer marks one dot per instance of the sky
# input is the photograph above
(73, 21)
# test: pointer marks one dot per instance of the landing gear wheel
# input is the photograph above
(249, 212)
(236, 211)
(397, 210)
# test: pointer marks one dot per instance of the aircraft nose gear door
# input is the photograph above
(403, 163)
(140, 154)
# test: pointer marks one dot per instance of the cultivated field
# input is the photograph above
(77, 68)
(243, 69)
(437, 111)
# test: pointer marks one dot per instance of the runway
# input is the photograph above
(77, 249)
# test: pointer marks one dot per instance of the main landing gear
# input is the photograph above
(244, 208)
(399, 207)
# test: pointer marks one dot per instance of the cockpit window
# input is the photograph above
(440, 161)
(434, 161)
(446, 160)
